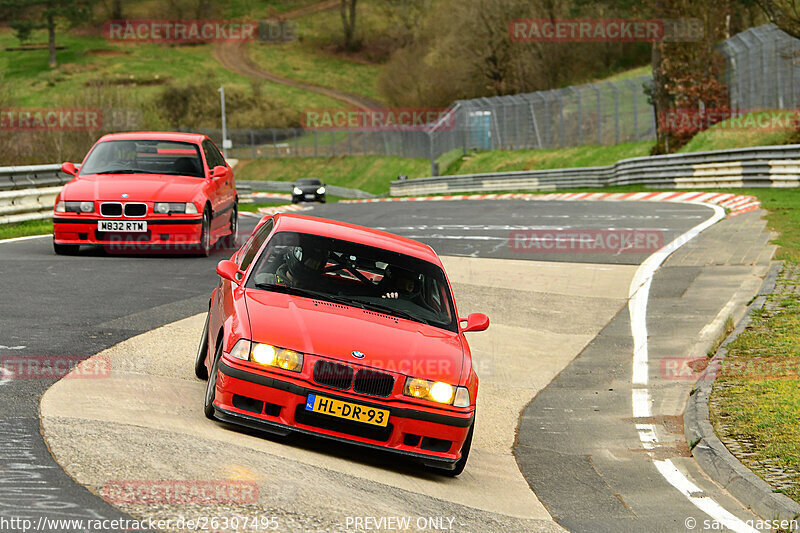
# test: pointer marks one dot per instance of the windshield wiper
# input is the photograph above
(385, 309)
(126, 171)
(392, 311)
(308, 293)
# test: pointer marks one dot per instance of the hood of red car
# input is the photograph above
(138, 187)
(333, 330)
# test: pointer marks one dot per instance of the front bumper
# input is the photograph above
(170, 231)
(277, 405)
(308, 197)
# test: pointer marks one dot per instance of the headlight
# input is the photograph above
(268, 355)
(435, 391)
(297, 190)
(321, 190)
(174, 207)
(241, 350)
(74, 207)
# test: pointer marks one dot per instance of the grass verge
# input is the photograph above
(24, 229)
(368, 173)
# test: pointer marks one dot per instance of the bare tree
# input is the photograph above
(348, 11)
(783, 13)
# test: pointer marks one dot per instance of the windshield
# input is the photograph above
(357, 275)
(144, 157)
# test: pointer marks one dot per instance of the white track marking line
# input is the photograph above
(702, 502)
(5, 376)
(640, 396)
(17, 239)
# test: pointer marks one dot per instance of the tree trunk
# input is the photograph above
(116, 9)
(348, 11)
(660, 97)
(51, 32)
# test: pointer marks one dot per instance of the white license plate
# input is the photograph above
(309, 196)
(127, 226)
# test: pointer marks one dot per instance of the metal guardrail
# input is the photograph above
(763, 166)
(28, 193)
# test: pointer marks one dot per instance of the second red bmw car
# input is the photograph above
(171, 190)
(344, 332)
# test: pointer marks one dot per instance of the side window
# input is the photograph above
(215, 151)
(213, 157)
(252, 248)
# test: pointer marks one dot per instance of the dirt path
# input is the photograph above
(234, 56)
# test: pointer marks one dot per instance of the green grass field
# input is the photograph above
(24, 229)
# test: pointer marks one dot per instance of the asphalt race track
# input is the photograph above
(560, 333)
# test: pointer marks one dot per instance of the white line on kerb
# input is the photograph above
(17, 239)
(637, 307)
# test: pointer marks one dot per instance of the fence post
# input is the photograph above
(252, 145)
(616, 112)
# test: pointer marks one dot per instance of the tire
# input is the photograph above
(211, 384)
(200, 369)
(204, 248)
(461, 462)
(66, 249)
(232, 240)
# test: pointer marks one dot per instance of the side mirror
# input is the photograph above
(229, 270)
(218, 171)
(69, 168)
(475, 322)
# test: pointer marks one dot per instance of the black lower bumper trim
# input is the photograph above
(284, 430)
(400, 412)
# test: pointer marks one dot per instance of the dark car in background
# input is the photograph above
(308, 190)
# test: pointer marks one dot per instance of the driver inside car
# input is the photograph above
(302, 268)
(403, 284)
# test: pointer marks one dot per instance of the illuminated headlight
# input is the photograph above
(174, 207)
(297, 190)
(436, 391)
(321, 190)
(74, 207)
(268, 355)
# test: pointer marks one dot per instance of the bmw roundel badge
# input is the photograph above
(357, 354)
(125, 195)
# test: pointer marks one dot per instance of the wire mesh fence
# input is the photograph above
(762, 72)
(763, 69)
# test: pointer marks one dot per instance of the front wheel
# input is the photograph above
(232, 240)
(205, 235)
(200, 369)
(211, 384)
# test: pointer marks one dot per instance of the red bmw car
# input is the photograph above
(344, 332)
(171, 190)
